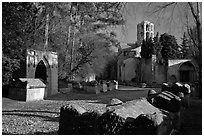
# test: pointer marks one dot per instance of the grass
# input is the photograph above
(42, 117)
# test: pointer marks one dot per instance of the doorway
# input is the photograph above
(41, 72)
(187, 72)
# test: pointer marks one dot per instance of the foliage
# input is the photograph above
(17, 28)
(187, 48)
(110, 72)
(75, 30)
(8, 67)
(147, 49)
(192, 42)
(170, 48)
(78, 32)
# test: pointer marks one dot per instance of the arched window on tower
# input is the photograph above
(151, 35)
(151, 27)
(147, 35)
(147, 27)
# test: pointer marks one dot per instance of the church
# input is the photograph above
(132, 68)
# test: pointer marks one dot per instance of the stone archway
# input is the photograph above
(187, 72)
(43, 65)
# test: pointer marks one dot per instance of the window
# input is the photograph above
(147, 35)
(151, 27)
(147, 27)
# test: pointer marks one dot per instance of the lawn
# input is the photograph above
(42, 117)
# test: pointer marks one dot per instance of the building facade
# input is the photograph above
(133, 68)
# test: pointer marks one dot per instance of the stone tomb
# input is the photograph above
(27, 89)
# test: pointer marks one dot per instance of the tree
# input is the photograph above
(170, 48)
(62, 27)
(187, 50)
(147, 48)
(81, 20)
(17, 30)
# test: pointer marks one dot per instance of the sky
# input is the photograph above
(165, 22)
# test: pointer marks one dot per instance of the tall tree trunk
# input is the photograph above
(199, 33)
(196, 15)
(46, 32)
(72, 54)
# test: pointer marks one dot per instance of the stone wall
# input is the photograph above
(152, 73)
(129, 69)
(160, 74)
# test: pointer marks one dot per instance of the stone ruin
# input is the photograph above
(38, 67)
(136, 117)
(158, 114)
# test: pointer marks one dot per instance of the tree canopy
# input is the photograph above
(17, 28)
(170, 48)
(76, 30)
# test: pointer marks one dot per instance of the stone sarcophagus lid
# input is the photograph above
(27, 89)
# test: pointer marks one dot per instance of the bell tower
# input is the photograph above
(145, 30)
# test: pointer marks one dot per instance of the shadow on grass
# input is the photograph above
(24, 113)
(34, 133)
(44, 133)
(8, 111)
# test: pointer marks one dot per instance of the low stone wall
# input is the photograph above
(130, 118)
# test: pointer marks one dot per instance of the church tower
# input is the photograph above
(145, 30)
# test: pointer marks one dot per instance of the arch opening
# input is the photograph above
(41, 72)
(187, 72)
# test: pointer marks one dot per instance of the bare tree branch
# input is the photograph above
(159, 8)
(192, 10)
